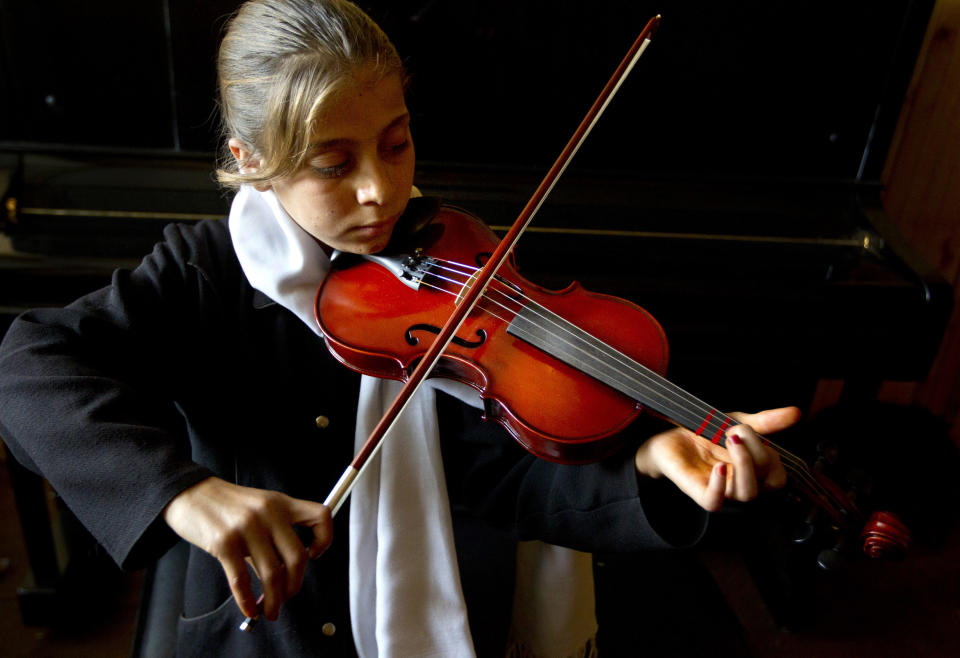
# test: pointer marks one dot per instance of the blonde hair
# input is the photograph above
(280, 63)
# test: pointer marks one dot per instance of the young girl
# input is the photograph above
(193, 398)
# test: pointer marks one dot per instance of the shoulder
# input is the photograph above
(202, 247)
(207, 239)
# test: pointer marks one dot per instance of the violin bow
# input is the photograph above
(482, 279)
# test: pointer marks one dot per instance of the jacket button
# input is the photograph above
(328, 629)
(323, 422)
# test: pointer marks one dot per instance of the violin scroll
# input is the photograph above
(849, 512)
(885, 536)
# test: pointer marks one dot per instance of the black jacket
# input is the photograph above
(179, 370)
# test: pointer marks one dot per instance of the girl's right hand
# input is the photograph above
(238, 524)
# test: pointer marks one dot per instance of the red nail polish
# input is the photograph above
(735, 439)
(722, 470)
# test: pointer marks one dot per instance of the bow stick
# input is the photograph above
(344, 485)
(480, 282)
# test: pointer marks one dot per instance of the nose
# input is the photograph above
(374, 184)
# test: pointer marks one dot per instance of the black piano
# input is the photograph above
(732, 188)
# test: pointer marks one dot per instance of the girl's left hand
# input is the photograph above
(711, 474)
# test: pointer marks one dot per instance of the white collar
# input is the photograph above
(405, 593)
(279, 258)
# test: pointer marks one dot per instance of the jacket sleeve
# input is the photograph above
(85, 398)
(597, 507)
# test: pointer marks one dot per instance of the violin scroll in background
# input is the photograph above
(899, 466)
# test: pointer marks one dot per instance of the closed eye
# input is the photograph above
(399, 148)
(332, 171)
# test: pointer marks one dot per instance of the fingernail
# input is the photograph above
(735, 439)
(722, 470)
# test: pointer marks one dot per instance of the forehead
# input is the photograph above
(361, 110)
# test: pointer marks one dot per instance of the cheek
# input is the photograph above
(324, 200)
(334, 207)
(322, 220)
(403, 175)
(410, 163)
(315, 209)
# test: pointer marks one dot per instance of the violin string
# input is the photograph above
(797, 467)
(624, 361)
(716, 420)
(618, 356)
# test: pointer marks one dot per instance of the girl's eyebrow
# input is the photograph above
(343, 141)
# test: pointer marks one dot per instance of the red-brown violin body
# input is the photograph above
(377, 324)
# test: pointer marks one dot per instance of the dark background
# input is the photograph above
(756, 88)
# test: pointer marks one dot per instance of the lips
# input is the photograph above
(378, 227)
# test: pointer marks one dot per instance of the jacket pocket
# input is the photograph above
(216, 633)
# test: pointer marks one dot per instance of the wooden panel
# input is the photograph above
(922, 178)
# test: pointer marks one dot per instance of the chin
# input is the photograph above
(372, 247)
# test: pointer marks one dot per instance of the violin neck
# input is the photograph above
(578, 349)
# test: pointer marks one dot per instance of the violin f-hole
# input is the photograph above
(462, 342)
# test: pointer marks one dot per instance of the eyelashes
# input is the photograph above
(401, 147)
(332, 172)
(342, 168)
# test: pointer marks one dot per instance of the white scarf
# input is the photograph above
(405, 593)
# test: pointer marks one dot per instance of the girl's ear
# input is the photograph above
(243, 156)
(246, 161)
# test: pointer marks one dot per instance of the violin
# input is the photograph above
(565, 372)
(378, 312)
